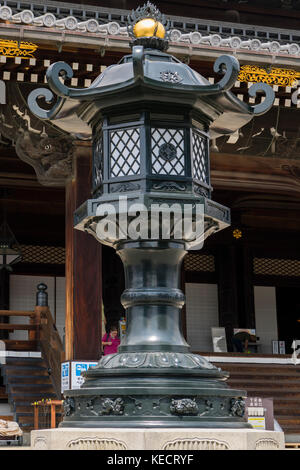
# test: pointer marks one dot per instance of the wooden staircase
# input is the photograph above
(27, 379)
(278, 381)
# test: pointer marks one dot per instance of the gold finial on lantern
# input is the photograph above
(147, 26)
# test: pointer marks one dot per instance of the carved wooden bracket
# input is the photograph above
(48, 150)
(51, 157)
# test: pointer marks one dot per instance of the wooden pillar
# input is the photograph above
(83, 269)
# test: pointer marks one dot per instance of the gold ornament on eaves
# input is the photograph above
(276, 76)
(22, 49)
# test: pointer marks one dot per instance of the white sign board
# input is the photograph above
(257, 422)
(71, 377)
(76, 369)
(219, 339)
(281, 347)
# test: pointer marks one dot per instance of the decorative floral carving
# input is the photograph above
(153, 360)
(124, 187)
(169, 76)
(90, 407)
(10, 48)
(195, 444)
(266, 444)
(202, 191)
(69, 406)
(184, 406)
(169, 186)
(109, 406)
(40, 443)
(237, 407)
(96, 443)
(167, 151)
(277, 76)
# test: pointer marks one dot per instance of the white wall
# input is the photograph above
(265, 317)
(22, 296)
(202, 313)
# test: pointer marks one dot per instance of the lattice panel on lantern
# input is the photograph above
(276, 267)
(98, 163)
(43, 254)
(200, 170)
(198, 262)
(124, 152)
(167, 148)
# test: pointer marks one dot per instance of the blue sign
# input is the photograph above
(81, 368)
(65, 370)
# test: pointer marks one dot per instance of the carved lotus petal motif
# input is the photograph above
(154, 360)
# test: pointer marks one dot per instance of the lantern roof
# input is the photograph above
(149, 74)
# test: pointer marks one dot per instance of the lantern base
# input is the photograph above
(155, 389)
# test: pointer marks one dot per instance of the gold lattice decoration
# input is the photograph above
(276, 267)
(42, 254)
(196, 262)
(276, 76)
(22, 49)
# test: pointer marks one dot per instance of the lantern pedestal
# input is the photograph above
(177, 439)
(154, 380)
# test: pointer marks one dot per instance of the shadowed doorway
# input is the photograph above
(288, 315)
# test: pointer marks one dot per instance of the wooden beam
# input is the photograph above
(253, 173)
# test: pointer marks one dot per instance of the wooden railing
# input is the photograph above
(50, 344)
(32, 328)
(42, 335)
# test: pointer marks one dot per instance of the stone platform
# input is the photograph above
(175, 439)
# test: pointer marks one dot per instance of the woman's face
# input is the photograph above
(113, 333)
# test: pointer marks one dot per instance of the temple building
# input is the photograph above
(246, 276)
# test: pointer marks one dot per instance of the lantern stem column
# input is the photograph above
(152, 297)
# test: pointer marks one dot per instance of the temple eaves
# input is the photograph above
(63, 25)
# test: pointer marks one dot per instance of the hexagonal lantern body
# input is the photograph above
(150, 118)
(150, 150)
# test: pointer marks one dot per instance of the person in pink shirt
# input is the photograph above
(110, 342)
